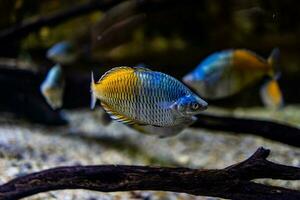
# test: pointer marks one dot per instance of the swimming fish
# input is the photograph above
(63, 52)
(52, 88)
(149, 101)
(227, 72)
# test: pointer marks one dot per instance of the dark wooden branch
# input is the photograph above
(268, 129)
(29, 26)
(233, 182)
(20, 94)
(119, 22)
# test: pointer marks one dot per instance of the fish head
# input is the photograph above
(195, 80)
(189, 105)
(53, 96)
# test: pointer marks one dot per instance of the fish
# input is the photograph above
(117, 25)
(225, 73)
(52, 88)
(149, 101)
(119, 32)
(63, 52)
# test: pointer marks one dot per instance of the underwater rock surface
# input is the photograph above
(26, 148)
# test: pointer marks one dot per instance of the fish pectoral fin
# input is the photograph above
(186, 121)
(116, 116)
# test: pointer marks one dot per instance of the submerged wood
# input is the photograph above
(233, 182)
(29, 26)
(264, 128)
(21, 96)
(25, 27)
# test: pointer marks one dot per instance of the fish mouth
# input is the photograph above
(203, 104)
(204, 107)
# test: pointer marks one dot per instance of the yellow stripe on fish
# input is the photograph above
(118, 84)
(246, 60)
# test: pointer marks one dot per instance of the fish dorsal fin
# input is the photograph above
(121, 70)
(141, 69)
(116, 116)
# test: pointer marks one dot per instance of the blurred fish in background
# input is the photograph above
(52, 88)
(245, 19)
(63, 53)
(117, 25)
(146, 100)
(227, 72)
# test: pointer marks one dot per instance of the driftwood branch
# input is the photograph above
(29, 26)
(233, 182)
(20, 95)
(268, 129)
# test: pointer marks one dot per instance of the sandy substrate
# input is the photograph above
(26, 148)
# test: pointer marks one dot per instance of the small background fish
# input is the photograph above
(149, 101)
(63, 52)
(227, 72)
(52, 88)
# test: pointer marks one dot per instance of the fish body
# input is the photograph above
(62, 52)
(147, 100)
(227, 72)
(52, 88)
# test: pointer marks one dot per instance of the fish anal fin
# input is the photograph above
(116, 116)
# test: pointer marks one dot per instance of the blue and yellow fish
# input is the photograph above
(227, 72)
(52, 88)
(149, 101)
(63, 52)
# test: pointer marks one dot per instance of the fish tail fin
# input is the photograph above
(271, 94)
(93, 96)
(273, 61)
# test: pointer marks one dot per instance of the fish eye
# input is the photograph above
(195, 106)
